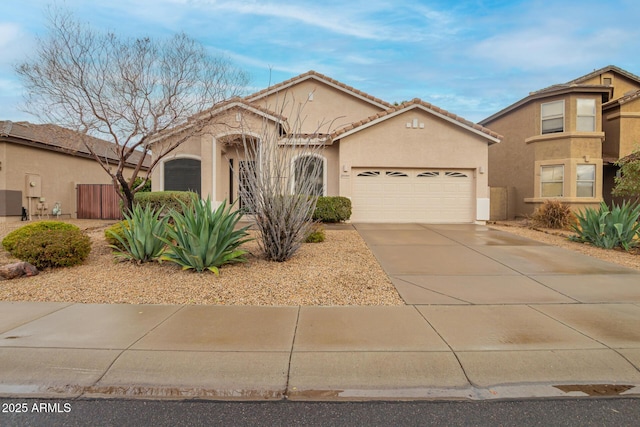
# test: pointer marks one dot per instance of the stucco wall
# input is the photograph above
(630, 127)
(329, 109)
(439, 144)
(59, 173)
(511, 162)
(621, 84)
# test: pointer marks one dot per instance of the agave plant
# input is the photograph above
(142, 238)
(609, 228)
(203, 238)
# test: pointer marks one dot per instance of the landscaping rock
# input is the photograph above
(18, 269)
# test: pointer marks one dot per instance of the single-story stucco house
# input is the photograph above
(562, 142)
(412, 162)
(41, 168)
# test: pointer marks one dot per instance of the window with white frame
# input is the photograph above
(586, 119)
(552, 114)
(586, 181)
(552, 181)
(309, 175)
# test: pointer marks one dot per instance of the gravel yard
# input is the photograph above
(339, 271)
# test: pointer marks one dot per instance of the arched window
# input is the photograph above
(309, 175)
(182, 175)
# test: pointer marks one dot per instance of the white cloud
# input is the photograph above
(11, 41)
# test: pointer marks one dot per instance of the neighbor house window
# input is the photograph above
(586, 181)
(552, 180)
(552, 114)
(309, 175)
(586, 120)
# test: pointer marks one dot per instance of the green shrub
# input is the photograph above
(112, 231)
(141, 235)
(53, 248)
(203, 238)
(165, 201)
(11, 239)
(553, 214)
(316, 234)
(609, 228)
(332, 209)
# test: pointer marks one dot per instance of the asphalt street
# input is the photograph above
(547, 412)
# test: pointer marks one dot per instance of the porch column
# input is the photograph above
(208, 167)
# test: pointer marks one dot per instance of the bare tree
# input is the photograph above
(124, 90)
(281, 181)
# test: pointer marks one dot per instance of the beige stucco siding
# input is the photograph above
(620, 83)
(438, 145)
(329, 109)
(513, 154)
(516, 162)
(222, 144)
(629, 127)
(59, 173)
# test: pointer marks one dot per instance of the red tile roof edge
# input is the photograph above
(417, 102)
(311, 73)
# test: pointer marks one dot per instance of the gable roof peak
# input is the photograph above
(606, 69)
(323, 78)
(417, 103)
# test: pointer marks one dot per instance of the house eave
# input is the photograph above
(61, 150)
(314, 76)
(491, 139)
(534, 96)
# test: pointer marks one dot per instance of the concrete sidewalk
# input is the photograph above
(488, 315)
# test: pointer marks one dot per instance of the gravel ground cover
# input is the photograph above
(339, 271)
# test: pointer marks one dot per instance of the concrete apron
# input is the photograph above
(488, 316)
(522, 318)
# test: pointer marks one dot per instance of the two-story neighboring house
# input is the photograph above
(561, 142)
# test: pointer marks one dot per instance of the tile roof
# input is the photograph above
(630, 96)
(416, 102)
(545, 93)
(575, 84)
(564, 86)
(241, 102)
(595, 73)
(229, 104)
(633, 157)
(318, 76)
(63, 140)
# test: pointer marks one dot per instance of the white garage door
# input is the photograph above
(412, 195)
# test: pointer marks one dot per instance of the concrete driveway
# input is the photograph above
(515, 311)
(473, 264)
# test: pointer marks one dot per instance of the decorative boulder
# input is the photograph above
(18, 269)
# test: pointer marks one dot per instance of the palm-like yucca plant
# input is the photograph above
(609, 228)
(203, 238)
(142, 238)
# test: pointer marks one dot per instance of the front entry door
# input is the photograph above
(245, 196)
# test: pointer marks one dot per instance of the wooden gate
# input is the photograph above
(98, 201)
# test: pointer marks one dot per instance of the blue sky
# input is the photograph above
(472, 58)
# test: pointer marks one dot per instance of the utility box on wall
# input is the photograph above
(10, 203)
(33, 185)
